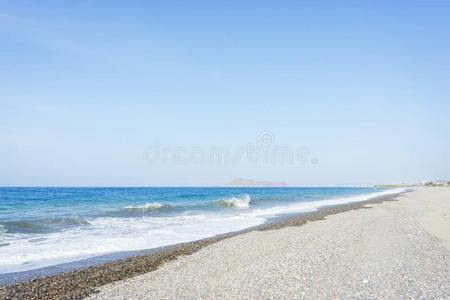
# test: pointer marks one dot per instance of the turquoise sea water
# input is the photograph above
(45, 226)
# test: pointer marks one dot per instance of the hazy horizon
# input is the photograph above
(173, 93)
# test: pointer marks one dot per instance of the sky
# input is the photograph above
(140, 93)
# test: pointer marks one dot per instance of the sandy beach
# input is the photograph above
(397, 249)
(388, 247)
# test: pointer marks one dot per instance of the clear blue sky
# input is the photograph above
(87, 86)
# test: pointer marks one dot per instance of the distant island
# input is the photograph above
(241, 182)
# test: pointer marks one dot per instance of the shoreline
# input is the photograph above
(82, 282)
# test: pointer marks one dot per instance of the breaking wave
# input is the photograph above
(242, 202)
(155, 206)
(148, 209)
(151, 206)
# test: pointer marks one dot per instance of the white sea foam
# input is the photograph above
(108, 235)
(315, 205)
(242, 202)
(111, 234)
(154, 205)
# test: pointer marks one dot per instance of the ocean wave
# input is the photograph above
(66, 221)
(155, 206)
(44, 225)
(147, 209)
(242, 202)
(137, 211)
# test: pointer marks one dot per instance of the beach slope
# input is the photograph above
(394, 249)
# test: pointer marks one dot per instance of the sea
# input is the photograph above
(42, 227)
